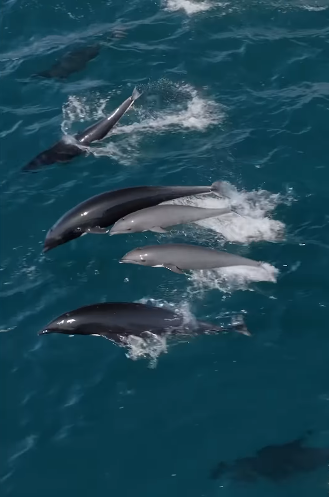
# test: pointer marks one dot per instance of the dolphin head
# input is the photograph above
(124, 225)
(140, 255)
(66, 323)
(59, 234)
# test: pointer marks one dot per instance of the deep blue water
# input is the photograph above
(236, 91)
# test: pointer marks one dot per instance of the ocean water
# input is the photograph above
(236, 91)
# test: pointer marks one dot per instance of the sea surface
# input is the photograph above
(236, 91)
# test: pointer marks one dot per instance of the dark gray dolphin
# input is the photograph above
(116, 320)
(180, 257)
(274, 462)
(76, 59)
(97, 213)
(161, 216)
(69, 147)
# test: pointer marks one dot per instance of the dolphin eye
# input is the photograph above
(142, 259)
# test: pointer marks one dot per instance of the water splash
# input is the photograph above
(190, 7)
(184, 109)
(152, 346)
(249, 222)
(230, 279)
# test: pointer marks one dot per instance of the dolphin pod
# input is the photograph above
(159, 217)
(97, 213)
(69, 147)
(118, 320)
(180, 257)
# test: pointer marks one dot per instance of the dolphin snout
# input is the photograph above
(44, 332)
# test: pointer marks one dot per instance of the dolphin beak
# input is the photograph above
(45, 249)
(44, 332)
(127, 261)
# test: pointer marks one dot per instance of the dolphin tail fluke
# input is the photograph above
(136, 94)
(239, 325)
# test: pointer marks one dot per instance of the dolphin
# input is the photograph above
(159, 217)
(69, 147)
(180, 257)
(118, 320)
(97, 213)
(76, 59)
(274, 462)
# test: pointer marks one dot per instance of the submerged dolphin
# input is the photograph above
(71, 62)
(180, 257)
(274, 462)
(68, 148)
(97, 213)
(75, 60)
(161, 216)
(117, 320)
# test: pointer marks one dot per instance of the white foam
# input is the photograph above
(188, 6)
(195, 113)
(249, 223)
(231, 278)
(150, 347)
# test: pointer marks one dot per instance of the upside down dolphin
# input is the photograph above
(97, 213)
(69, 147)
(117, 320)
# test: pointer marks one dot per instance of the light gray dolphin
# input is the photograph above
(159, 217)
(180, 257)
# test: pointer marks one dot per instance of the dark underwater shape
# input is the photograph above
(116, 320)
(69, 147)
(71, 62)
(76, 60)
(97, 213)
(275, 462)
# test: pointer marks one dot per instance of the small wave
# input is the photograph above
(249, 222)
(188, 6)
(230, 279)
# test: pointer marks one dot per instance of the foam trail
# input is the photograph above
(249, 222)
(230, 279)
(190, 7)
(199, 115)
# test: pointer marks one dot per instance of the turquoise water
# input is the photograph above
(235, 91)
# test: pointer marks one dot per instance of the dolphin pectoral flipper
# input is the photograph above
(174, 268)
(97, 230)
(158, 229)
